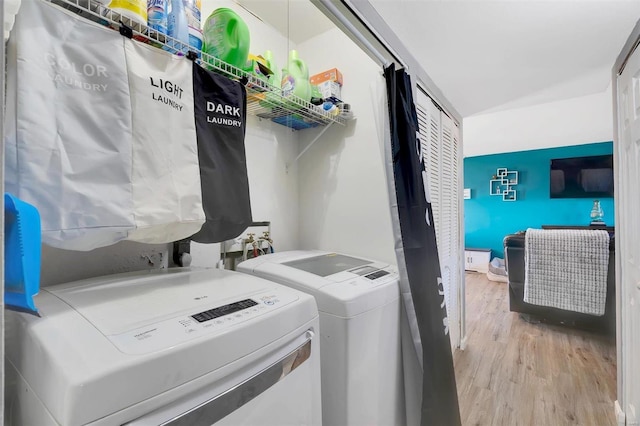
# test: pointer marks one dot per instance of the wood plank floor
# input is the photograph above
(513, 372)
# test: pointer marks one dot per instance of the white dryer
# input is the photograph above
(176, 347)
(359, 306)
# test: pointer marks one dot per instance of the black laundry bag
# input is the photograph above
(220, 116)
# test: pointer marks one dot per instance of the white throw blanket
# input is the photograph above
(567, 269)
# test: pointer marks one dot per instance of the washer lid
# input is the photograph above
(105, 344)
(122, 303)
(343, 285)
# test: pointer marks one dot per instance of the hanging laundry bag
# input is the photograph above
(220, 110)
(167, 195)
(68, 118)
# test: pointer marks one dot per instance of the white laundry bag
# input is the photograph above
(167, 195)
(68, 140)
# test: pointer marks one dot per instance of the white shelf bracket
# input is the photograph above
(318, 136)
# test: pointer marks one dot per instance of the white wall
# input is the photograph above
(336, 194)
(273, 191)
(274, 197)
(342, 186)
(263, 36)
(60, 266)
(573, 121)
(269, 147)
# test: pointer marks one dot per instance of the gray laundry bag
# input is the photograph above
(68, 127)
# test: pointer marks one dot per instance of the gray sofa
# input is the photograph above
(514, 259)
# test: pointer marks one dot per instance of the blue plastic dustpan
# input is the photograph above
(22, 240)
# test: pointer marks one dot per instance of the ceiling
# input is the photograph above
(489, 56)
(298, 20)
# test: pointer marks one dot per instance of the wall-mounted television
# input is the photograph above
(582, 177)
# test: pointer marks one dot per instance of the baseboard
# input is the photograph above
(479, 270)
(621, 418)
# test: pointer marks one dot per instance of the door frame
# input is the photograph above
(2, 108)
(628, 49)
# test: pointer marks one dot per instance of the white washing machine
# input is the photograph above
(176, 347)
(359, 306)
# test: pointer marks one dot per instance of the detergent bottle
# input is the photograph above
(275, 79)
(226, 37)
(273, 97)
(256, 66)
(316, 95)
(295, 78)
(136, 10)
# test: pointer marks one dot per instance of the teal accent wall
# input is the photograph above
(487, 219)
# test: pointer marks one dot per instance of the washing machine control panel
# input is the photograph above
(371, 276)
(377, 274)
(221, 311)
(217, 319)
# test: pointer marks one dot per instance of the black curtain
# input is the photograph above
(439, 394)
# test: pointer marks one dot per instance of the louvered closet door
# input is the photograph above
(449, 212)
(429, 127)
(440, 147)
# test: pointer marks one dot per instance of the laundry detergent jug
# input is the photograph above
(295, 79)
(226, 37)
(256, 66)
(273, 97)
(275, 78)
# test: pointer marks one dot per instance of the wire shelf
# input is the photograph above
(263, 100)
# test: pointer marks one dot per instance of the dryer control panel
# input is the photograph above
(176, 330)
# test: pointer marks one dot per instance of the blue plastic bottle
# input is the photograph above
(193, 11)
(177, 27)
(157, 15)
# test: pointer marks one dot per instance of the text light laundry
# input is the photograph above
(167, 101)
